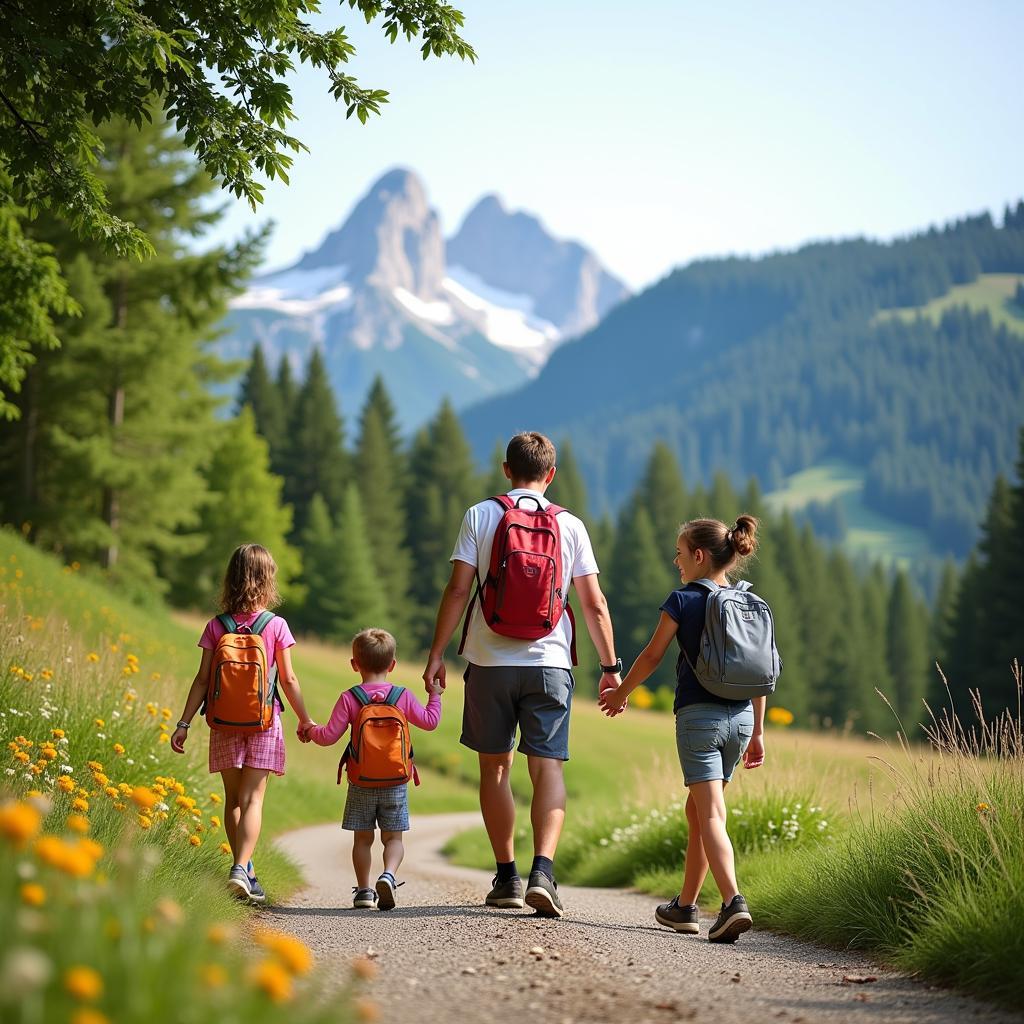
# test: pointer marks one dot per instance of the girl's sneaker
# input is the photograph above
(238, 882)
(386, 886)
(363, 899)
(256, 891)
(733, 921)
(679, 918)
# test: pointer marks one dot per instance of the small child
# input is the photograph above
(246, 760)
(373, 657)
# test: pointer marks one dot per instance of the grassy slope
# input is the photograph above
(868, 533)
(992, 293)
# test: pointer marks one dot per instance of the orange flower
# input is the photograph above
(780, 716)
(88, 1015)
(143, 797)
(213, 975)
(66, 783)
(83, 983)
(77, 823)
(224, 848)
(145, 822)
(19, 822)
(80, 805)
(219, 934)
(118, 749)
(274, 980)
(293, 953)
(93, 657)
(195, 840)
(33, 894)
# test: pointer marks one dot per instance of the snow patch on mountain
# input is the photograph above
(297, 292)
(439, 312)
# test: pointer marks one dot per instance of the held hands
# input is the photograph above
(303, 730)
(753, 756)
(178, 738)
(434, 674)
(434, 688)
(611, 698)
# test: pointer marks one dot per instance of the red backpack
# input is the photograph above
(524, 595)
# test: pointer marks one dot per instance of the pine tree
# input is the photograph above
(942, 625)
(287, 390)
(317, 462)
(637, 586)
(120, 418)
(243, 504)
(322, 578)
(379, 472)
(443, 483)
(568, 488)
(361, 602)
(907, 644)
(725, 504)
(258, 392)
(663, 494)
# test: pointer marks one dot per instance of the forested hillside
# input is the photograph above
(767, 366)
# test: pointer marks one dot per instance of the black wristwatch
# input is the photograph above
(612, 670)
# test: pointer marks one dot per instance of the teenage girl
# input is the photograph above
(245, 762)
(712, 733)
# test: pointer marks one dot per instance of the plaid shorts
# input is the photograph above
(249, 750)
(386, 808)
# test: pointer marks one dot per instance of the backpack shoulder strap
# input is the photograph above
(394, 695)
(228, 623)
(261, 623)
(743, 585)
(553, 509)
(360, 695)
(708, 585)
(503, 500)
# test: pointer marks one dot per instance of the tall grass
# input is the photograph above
(937, 884)
(111, 847)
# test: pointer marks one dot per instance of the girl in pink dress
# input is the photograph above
(245, 761)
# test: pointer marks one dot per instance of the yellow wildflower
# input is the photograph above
(219, 934)
(214, 821)
(293, 953)
(77, 823)
(83, 983)
(224, 848)
(100, 779)
(215, 798)
(22, 757)
(145, 822)
(93, 656)
(19, 822)
(274, 980)
(195, 840)
(89, 1015)
(80, 805)
(57, 734)
(213, 975)
(99, 722)
(143, 797)
(94, 766)
(33, 894)
(780, 716)
(112, 792)
(118, 749)
(66, 783)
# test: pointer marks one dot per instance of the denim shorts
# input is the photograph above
(386, 808)
(711, 739)
(534, 699)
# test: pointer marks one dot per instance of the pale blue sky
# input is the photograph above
(656, 132)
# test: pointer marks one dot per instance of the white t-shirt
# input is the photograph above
(483, 645)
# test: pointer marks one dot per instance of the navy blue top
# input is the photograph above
(686, 607)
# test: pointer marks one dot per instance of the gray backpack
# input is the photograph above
(738, 658)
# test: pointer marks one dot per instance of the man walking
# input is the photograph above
(515, 556)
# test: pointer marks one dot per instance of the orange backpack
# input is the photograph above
(242, 689)
(380, 750)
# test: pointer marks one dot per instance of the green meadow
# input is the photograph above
(925, 841)
(989, 293)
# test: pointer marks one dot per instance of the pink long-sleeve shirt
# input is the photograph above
(347, 708)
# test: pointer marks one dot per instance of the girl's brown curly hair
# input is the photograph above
(250, 584)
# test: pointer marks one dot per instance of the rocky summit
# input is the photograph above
(384, 293)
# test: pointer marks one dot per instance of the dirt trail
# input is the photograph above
(443, 957)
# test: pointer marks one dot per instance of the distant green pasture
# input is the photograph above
(869, 533)
(990, 292)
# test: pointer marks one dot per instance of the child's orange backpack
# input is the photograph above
(380, 750)
(242, 689)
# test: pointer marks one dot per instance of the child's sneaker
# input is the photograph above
(542, 895)
(508, 895)
(679, 918)
(238, 882)
(363, 899)
(256, 891)
(386, 886)
(733, 921)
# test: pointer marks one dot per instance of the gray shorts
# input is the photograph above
(532, 698)
(711, 739)
(386, 808)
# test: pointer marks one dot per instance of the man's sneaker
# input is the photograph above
(542, 895)
(238, 882)
(679, 918)
(256, 893)
(386, 886)
(506, 894)
(733, 921)
(363, 899)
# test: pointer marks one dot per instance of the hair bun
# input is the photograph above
(743, 536)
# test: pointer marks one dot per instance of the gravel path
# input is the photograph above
(441, 955)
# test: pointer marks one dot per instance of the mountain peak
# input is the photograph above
(514, 252)
(392, 238)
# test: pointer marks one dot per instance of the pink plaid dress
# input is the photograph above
(259, 749)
